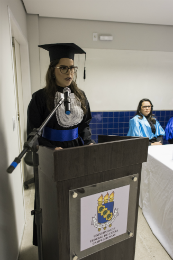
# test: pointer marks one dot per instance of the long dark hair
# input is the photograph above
(150, 116)
(51, 88)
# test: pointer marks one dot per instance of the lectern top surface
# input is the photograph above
(86, 160)
(91, 159)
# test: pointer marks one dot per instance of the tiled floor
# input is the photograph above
(28, 251)
(147, 246)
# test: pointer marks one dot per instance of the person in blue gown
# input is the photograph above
(169, 131)
(144, 124)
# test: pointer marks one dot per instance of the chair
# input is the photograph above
(28, 160)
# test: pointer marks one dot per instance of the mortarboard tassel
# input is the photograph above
(84, 73)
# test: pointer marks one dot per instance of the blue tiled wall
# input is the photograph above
(117, 123)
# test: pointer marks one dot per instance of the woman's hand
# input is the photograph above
(90, 143)
(157, 143)
(58, 148)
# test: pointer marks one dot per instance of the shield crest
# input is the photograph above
(105, 208)
(106, 213)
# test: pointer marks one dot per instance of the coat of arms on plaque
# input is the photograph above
(106, 214)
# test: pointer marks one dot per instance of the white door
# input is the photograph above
(19, 95)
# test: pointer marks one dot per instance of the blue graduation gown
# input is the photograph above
(169, 130)
(141, 127)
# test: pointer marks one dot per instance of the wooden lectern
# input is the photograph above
(69, 177)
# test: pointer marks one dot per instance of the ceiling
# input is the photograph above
(130, 11)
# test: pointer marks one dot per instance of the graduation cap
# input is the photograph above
(63, 50)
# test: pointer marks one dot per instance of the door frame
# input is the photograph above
(16, 32)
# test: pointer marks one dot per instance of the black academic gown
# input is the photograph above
(38, 112)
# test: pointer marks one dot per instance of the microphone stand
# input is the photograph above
(32, 144)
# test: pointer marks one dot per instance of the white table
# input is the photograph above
(156, 194)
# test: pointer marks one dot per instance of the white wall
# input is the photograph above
(118, 79)
(126, 36)
(11, 186)
(138, 63)
(33, 33)
(19, 13)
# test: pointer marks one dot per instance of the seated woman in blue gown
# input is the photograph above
(145, 125)
(169, 131)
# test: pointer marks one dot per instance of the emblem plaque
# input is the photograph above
(102, 215)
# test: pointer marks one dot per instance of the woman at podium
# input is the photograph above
(64, 129)
(145, 125)
(169, 131)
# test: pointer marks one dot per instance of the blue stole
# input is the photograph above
(169, 130)
(60, 135)
(141, 127)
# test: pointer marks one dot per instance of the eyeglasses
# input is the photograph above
(146, 106)
(64, 69)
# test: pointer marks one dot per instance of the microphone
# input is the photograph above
(67, 100)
